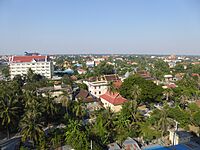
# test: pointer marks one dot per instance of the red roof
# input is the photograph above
(27, 58)
(113, 98)
(171, 85)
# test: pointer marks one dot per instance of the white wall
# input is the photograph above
(114, 108)
(42, 68)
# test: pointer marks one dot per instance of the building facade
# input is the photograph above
(112, 101)
(99, 85)
(19, 65)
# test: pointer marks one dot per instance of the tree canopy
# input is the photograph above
(150, 92)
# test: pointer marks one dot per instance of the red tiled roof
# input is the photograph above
(113, 98)
(195, 74)
(27, 58)
(171, 85)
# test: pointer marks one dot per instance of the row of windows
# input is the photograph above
(23, 64)
(96, 92)
(37, 71)
(96, 87)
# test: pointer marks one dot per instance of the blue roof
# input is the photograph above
(67, 71)
(186, 146)
(78, 65)
(156, 147)
(179, 147)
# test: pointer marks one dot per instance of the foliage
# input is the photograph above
(5, 71)
(150, 92)
(103, 69)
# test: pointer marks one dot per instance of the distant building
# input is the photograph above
(81, 71)
(19, 65)
(90, 63)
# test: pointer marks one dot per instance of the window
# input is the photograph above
(99, 92)
(95, 93)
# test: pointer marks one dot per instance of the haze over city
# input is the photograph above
(131, 26)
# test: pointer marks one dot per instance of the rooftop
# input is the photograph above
(20, 59)
(113, 98)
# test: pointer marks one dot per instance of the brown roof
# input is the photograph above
(117, 84)
(85, 96)
(112, 77)
(82, 94)
(198, 103)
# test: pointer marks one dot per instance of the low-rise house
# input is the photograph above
(81, 71)
(145, 74)
(169, 86)
(91, 102)
(168, 78)
(113, 101)
(130, 144)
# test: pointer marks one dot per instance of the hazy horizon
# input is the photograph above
(100, 27)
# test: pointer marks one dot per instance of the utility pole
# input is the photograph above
(91, 144)
(176, 129)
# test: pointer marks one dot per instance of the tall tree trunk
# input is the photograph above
(8, 132)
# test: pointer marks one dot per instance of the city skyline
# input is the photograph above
(100, 27)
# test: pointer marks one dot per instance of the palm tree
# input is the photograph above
(77, 109)
(8, 111)
(164, 121)
(183, 99)
(76, 135)
(31, 129)
(65, 100)
(111, 87)
(49, 106)
(168, 93)
(56, 140)
(136, 92)
(99, 129)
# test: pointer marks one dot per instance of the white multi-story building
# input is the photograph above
(99, 85)
(19, 65)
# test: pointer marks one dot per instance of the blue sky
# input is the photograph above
(100, 26)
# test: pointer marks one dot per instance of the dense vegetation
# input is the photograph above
(45, 124)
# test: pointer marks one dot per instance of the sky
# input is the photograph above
(100, 26)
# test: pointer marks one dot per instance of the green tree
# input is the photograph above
(104, 69)
(6, 72)
(76, 135)
(31, 129)
(136, 92)
(150, 92)
(8, 111)
(111, 87)
(49, 107)
(168, 93)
